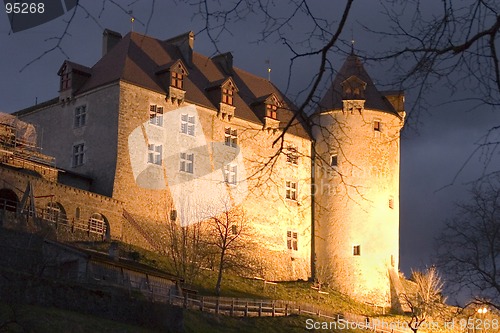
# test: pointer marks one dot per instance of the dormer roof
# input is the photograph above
(350, 77)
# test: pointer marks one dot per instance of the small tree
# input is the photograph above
(228, 237)
(426, 299)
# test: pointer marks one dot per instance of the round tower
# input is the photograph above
(357, 146)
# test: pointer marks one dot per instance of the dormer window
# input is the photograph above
(65, 78)
(172, 77)
(227, 96)
(227, 92)
(177, 80)
(271, 111)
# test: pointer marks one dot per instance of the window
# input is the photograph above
(230, 137)
(65, 78)
(271, 111)
(187, 161)
(155, 154)
(78, 154)
(334, 160)
(292, 240)
(187, 124)
(52, 212)
(97, 224)
(234, 229)
(391, 203)
(80, 116)
(291, 190)
(356, 250)
(292, 155)
(377, 126)
(227, 96)
(177, 80)
(230, 174)
(77, 213)
(156, 115)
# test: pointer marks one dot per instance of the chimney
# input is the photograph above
(109, 39)
(185, 44)
(225, 60)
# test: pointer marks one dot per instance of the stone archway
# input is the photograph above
(8, 200)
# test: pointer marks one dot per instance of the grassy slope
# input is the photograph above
(27, 318)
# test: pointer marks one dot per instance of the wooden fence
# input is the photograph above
(241, 307)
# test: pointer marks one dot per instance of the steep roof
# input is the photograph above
(137, 58)
(353, 69)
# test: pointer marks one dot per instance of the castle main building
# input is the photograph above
(169, 134)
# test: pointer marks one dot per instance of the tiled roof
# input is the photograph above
(136, 58)
(374, 100)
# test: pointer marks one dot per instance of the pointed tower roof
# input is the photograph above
(353, 75)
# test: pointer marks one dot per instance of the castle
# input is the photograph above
(155, 132)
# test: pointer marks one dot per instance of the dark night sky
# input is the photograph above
(430, 158)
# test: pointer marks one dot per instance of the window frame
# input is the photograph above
(186, 164)
(66, 78)
(292, 240)
(334, 158)
(356, 250)
(78, 154)
(155, 154)
(177, 80)
(156, 115)
(231, 174)
(188, 124)
(230, 137)
(227, 95)
(291, 190)
(272, 111)
(80, 116)
(292, 155)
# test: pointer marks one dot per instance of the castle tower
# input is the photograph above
(357, 143)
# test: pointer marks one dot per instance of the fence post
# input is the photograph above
(217, 306)
(260, 309)
(274, 309)
(185, 300)
(299, 309)
(202, 303)
(232, 308)
(246, 309)
(286, 310)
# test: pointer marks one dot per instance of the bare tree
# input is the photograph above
(469, 246)
(229, 238)
(425, 300)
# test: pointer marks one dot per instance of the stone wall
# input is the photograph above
(72, 200)
(358, 202)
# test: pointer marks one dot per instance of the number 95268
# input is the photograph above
(24, 8)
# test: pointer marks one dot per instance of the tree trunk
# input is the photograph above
(221, 268)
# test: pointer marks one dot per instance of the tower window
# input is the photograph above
(377, 126)
(391, 203)
(230, 137)
(156, 115)
(291, 190)
(271, 111)
(292, 240)
(334, 160)
(356, 250)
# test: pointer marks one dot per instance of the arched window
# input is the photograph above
(97, 224)
(8, 200)
(77, 213)
(55, 213)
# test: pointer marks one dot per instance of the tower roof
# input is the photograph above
(353, 73)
